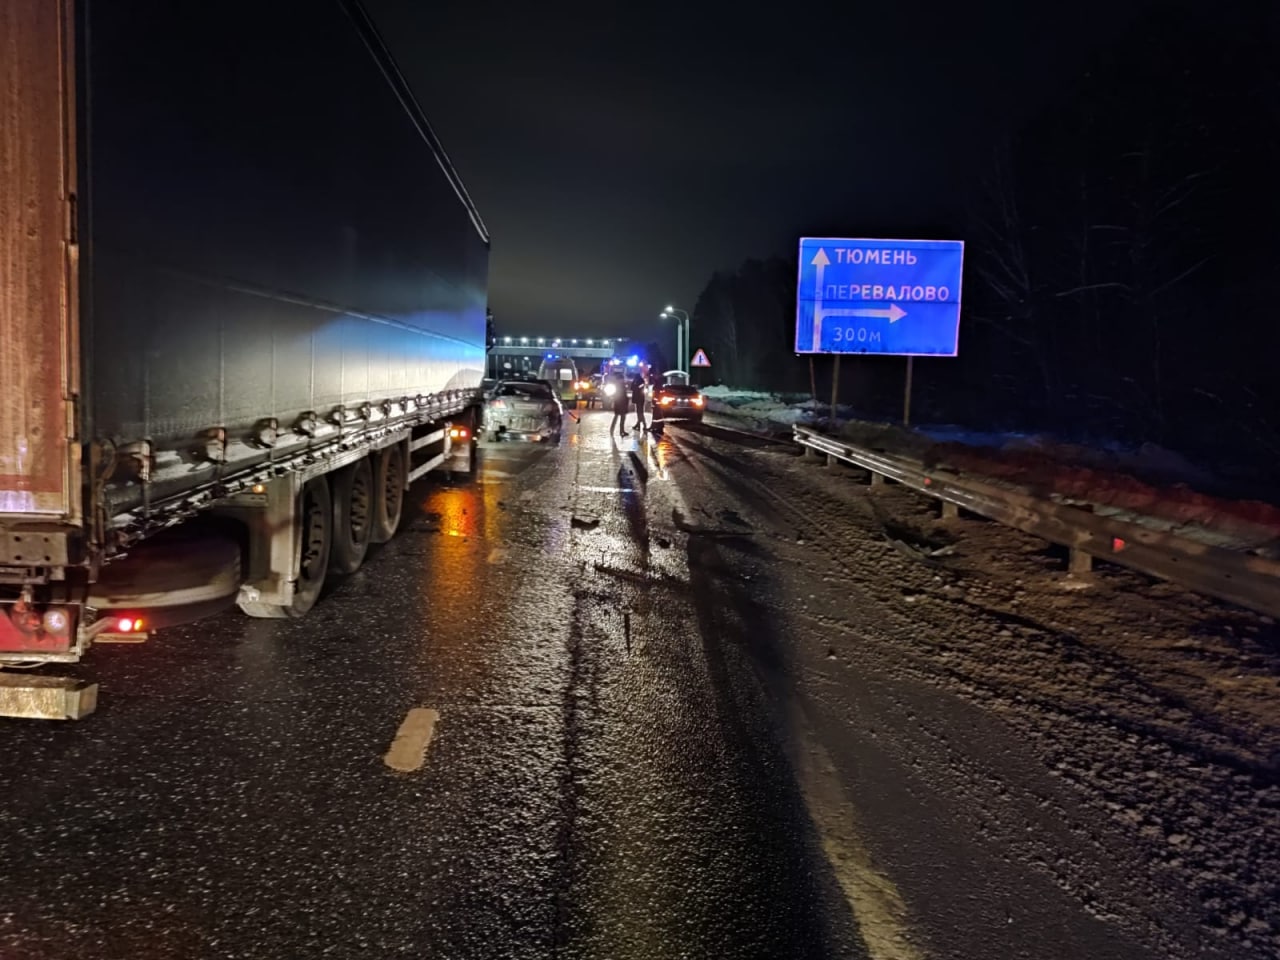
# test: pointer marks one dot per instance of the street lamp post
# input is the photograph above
(683, 352)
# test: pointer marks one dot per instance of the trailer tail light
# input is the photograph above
(56, 621)
(123, 629)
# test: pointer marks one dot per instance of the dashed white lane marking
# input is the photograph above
(528, 494)
(608, 489)
(409, 749)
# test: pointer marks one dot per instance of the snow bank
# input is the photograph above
(767, 410)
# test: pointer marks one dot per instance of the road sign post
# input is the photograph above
(906, 396)
(835, 390)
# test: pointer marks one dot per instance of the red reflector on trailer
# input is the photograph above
(1118, 544)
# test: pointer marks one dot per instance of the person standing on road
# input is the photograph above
(637, 400)
(620, 396)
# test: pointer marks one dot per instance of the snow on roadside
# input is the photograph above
(769, 411)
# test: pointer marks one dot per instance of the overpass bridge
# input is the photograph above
(579, 348)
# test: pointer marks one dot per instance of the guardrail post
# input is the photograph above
(1078, 561)
(950, 510)
(877, 479)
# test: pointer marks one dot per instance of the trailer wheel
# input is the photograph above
(315, 519)
(353, 503)
(388, 490)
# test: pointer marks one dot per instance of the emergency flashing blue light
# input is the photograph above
(632, 361)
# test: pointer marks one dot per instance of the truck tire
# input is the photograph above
(353, 505)
(315, 542)
(388, 490)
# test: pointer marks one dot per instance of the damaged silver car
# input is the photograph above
(523, 410)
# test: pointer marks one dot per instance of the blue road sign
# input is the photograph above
(896, 297)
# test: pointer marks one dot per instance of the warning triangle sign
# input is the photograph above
(700, 360)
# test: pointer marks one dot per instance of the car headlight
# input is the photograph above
(610, 389)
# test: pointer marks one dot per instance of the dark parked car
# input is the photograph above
(523, 409)
(587, 390)
(678, 401)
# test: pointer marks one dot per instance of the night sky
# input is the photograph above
(621, 153)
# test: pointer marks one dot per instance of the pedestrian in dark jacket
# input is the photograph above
(637, 401)
(620, 397)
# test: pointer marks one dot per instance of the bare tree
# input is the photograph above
(1003, 263)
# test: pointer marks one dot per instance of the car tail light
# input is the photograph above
(666, 401)
(697, 401)
(498, 404)
(458, 433)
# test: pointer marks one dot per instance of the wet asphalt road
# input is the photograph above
(646, 748)
(604, 780)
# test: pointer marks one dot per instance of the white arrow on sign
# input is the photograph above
(893, 313)
(820, 261)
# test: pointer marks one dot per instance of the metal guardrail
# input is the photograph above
(1238, 577)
